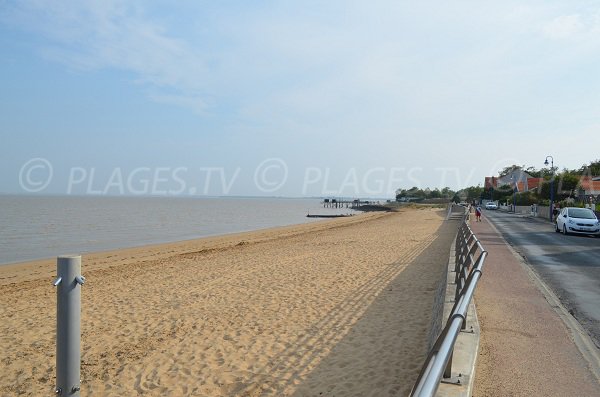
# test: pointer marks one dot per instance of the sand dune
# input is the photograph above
(334, 308)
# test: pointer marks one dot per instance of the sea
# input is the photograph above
(37, 227)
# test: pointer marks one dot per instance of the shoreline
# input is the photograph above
(39, 228)
(31, 269)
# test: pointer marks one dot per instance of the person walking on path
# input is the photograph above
(478, 214)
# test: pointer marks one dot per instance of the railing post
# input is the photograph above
(448, 369)
(68, 325)
(458, 290)
(462, 255)
(458, 259)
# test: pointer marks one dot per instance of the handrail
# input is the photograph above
(468, 272)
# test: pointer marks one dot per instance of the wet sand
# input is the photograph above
(339, 307)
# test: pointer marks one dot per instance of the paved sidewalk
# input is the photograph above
(525, 347)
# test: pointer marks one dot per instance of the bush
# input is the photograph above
(525, 198)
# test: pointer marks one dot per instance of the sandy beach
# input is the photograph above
(333, 308)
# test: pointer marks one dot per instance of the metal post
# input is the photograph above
(551, 198)
(68, 325)
(448, 369)
(551, 215)
(459, 286)
(515, 199)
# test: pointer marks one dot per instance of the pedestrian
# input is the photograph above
(555, 211)
(478, 214)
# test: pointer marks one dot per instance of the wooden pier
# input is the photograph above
(339, 203)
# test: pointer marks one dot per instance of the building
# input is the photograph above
(524, 181)
(515, 176)
(529, 184)
(590, 186)
(588, 191)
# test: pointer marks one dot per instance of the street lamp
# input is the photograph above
(514, 193)
(551, 184)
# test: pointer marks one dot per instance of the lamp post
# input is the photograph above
(514, 193)
(515, 198)
(551, 185)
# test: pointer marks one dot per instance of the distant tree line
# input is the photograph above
(415, 194)
(566, 186)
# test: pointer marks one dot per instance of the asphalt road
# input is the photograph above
(570, 265)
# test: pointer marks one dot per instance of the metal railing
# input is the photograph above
(467, 270)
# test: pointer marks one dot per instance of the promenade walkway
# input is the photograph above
(525, 347)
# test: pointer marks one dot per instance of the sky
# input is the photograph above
(306, 98)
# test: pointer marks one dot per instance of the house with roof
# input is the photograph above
(518, 178)
(517, 175)
(529, 184)
(491, 182)
(589, 186)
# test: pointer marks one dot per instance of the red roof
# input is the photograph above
(532, 183)
(588, 185)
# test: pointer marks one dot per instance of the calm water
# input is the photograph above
(34, 227)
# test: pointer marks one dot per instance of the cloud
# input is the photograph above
(564, 26)
(109, 34)
(385, 67)
(580, 27)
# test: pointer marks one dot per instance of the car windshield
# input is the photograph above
(581, 213)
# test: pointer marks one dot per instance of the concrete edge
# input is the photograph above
(582, 340)
(466, 347)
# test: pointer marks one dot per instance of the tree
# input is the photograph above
(447, 192)
(416, 194)
(564, 186)
(567, 184)
(509, 169)
(593, 168)
(534, 172)
(546, 171)
(471, 193)
(435, 193)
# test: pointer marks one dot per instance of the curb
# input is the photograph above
(582, 340)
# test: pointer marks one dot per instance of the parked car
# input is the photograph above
(491, 206)
(577, 221)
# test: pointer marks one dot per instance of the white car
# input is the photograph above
(491, 206)
(577, 221)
